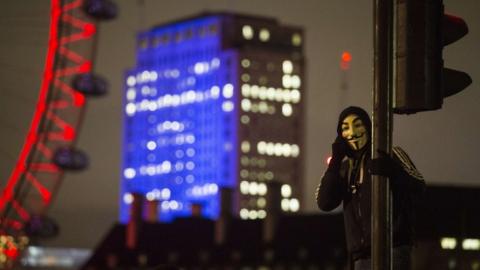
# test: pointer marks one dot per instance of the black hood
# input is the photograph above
(362, 114)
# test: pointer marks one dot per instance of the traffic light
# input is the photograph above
(422, 30)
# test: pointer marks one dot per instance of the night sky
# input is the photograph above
(443, 144)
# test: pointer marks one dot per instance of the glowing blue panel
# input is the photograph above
(180, 111)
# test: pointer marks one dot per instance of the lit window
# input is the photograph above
(215, 62)
(166, 166)
(200, 68)
(199, 96)
(247, 32)
(295, 95)
(261, 147)
(153, 75)
(227, 106)
(246, 105)
(287, 81)
(130, 109)
(245, 63)
(212, 188)
(262, 189)
(287, 67)
(261, 202)
(244, 173)
(190, 138)
(287, 97)
(129, 173)
(244, 187)
(287, 109)
(296, 39)
(262, 214)
(253, 188)
(150, 196)
(286, 190)
(254, 91)
(285, 205)
(145, 76)
(245, 77)
(254, 107)
(471, 244)
(131, 94)
(279, 94)
(295, 150)
(270, 149)
(253, 214)
(165, 194)
(175, 73)
(174, 205)
(246, 90)
(190, 152)
(295, 81)
(244, 213)
(228, 90)
(294, 205)
(165, 205)
(245, 147)
(264, 34)
(178, 180)
(271, 93)
(151, 145)
(286, 150)
(190, 178)
(131, 81)
(152, 106)
(244, 161)
(179, 166)
(215, 91)
(278, 149)
(127, 198)
(262, 94)
(190, 165)
(175, 126)
(263, 107)
(245, 119)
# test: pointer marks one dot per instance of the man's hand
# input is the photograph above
(384, 165)
(339, 150)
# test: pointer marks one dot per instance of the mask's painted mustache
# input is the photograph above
(356, 137)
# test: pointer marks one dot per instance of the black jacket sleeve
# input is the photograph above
(407, 177)
(330, 191)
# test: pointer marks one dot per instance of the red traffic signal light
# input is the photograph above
(421, 33)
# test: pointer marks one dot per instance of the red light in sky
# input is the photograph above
(346, 57)
(345, 61)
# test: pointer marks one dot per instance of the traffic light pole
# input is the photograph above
(382, 133)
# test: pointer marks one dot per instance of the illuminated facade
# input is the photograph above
(214, 101)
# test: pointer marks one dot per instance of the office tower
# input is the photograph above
(214, 101)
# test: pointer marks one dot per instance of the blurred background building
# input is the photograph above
(214, 102)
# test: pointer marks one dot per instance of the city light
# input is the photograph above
(448, 243)
(471, 244)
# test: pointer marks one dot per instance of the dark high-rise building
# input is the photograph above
(214, 101)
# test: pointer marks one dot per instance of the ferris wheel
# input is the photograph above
(49, 148)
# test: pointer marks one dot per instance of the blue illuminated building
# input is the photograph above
(214, 101)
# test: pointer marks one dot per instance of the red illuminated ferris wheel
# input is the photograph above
(49, 147)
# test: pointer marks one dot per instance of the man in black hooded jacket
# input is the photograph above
(348, 181)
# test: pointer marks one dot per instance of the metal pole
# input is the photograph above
(382, 133)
